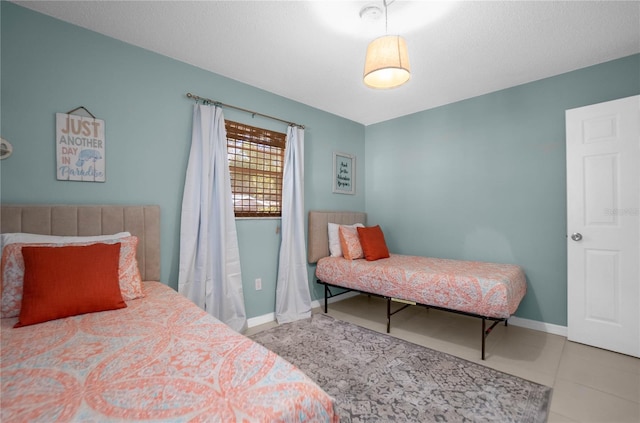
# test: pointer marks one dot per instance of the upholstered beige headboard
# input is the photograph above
(318, 230)
(84, 220)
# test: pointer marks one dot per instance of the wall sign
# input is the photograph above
(344, 173)
(80, 146)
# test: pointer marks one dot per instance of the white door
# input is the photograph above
(603, 221)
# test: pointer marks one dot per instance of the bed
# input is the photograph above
(489, 291)
(160, 358)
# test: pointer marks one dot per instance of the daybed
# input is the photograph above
(160, 358)
(489, 291)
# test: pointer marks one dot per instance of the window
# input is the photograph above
(256, 160)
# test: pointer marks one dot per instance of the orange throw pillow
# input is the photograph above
(350, 243)
(12, 272)
(66, 281)
(373, 244)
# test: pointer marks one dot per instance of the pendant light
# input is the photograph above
(387, 61)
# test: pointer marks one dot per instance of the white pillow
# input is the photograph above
(334, 238)
(25, 238)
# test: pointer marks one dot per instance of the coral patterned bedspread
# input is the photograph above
(159, 359)
(485, 289)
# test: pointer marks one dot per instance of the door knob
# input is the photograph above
(577, 236)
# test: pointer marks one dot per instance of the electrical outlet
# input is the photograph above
(258, 284)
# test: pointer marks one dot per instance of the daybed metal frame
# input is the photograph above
(485, 330)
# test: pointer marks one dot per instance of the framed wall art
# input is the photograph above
(80, 145)
(344, 173)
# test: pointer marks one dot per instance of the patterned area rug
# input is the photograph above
(378, 378)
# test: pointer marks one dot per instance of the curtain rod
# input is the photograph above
(218, 103)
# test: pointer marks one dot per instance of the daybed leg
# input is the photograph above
(483, 335)
(326, 300)
(506, 322)
(388, 315)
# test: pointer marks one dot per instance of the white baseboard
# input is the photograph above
(320, 303)
(261, 320)
(513, 320)
(536, 325)
(270, 317)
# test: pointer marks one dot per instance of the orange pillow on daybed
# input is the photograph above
(373, 244)
(350, 242)
(66, 281)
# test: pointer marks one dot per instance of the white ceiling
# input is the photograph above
(313, 51)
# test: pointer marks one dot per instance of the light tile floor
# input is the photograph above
(589, 384)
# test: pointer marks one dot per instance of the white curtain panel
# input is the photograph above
(293, 299)
(209, 271)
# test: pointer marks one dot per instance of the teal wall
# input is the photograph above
(484, 179)
(49, 66)
(481, 179)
